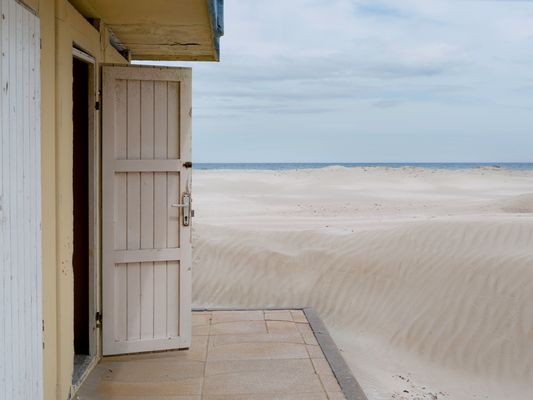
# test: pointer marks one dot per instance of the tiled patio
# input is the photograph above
(235, 355)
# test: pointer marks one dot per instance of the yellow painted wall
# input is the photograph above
(61, 27)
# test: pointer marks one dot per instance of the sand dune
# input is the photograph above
(425, 278)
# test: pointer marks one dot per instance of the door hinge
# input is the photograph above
(97, 106)
(187, 164)
(98, 318)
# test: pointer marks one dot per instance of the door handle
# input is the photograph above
(185, 208)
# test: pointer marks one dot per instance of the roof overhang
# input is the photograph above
(186, 30)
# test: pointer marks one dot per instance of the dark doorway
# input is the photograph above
(80, 179)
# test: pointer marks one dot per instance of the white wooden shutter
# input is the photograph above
(21, 345)
(146, 247)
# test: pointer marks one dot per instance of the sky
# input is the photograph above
(368, 81)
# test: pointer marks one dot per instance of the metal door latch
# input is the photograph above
(98, 318)
(185, 208)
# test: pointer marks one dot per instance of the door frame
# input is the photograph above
(94, 201)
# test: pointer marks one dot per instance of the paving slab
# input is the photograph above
(257, 351)
(257, 338)
(263, 382)
(287, 366)
(282, 327)
(278, 315)
(233, 316)
(238, 327)
(269, 396)
(234, 355)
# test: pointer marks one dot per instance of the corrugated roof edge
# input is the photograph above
(216, 15)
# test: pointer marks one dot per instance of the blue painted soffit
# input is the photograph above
(216, 14)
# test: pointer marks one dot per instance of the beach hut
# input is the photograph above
(95, 194)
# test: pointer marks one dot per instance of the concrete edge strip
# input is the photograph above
(349, 385)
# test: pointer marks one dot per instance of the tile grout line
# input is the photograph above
(311, 359)
(206, 356)
(265, 322)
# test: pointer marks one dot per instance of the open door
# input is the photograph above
(146, 238)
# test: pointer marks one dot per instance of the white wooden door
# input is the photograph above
(21, 346)
(146, 245)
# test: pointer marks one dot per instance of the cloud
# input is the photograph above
(353, 66)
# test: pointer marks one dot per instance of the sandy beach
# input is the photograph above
(424, 277)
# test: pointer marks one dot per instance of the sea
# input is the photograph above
(292, 166)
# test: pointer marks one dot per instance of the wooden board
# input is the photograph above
(146, 248)
(21, 344)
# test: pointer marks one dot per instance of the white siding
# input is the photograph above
(20, 203)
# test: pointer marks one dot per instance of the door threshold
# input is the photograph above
(83, 364)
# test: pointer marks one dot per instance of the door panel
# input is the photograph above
(146, 247)
(21, 324)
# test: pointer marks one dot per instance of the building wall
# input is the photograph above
(20, 233)
(61, 27)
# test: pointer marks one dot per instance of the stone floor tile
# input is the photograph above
(298, 316)
(269, 396)
(336, 396)
(278, 315)
(321, 366)
(239, 327)
(201, 319)
(281, 327)
(200, 324)
(257, 351)
(304, 328)
(330, 383)
(159, 370)
(234, 316)
(197, 352)
(85, 396)
(97, 397)
(309, 338)
(201, 330)
(271, 382)
(287, 366)
(182, 387)
(314, 351)
(218, 340)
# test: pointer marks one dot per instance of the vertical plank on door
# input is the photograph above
(5, 255)
(37, 234)
(15, 206)
(173, 120)
(3, 236)
(120, 198)
(147, 209)
(173, 267)
(24, 200)
(160, 206)
(174, 195)
(185, 134)
(173, 152)
(134, 209)
(173, 284)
